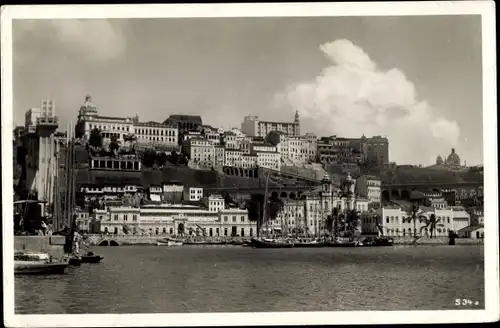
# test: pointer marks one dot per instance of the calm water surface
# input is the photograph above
(150, 279)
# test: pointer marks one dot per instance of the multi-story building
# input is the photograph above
(233, 157)
(267, 156)
(177, 219)
(368, 186)
(219, 154)
(230, 140)
(290, 219)
(152, 134)
(210, 133)
(396, 222)
(195, 194)
(375, 150)
(40, 151)
(253, 126)
(201, 152)
(335, 150)
(293, 149)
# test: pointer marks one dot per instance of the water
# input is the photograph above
(150, 279)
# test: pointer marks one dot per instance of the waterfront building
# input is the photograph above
(39, 159)
(115, 163)
(368, 186)
(472, 231)
(291, 219)
(375, 150)
(151, 134)
(83, 221)
(253, 126)
(396, 222)
(177, 219)
(361, 204)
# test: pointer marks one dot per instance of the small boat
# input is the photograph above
(271, 243)
(309, 243)
(91, 258)
(75, 261)
(169, 243)
(378, 242)
(26, 262)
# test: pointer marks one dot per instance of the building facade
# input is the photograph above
(253, 126)
(124, 128)
(369, 187)
(201, 152)
(177, 220)
(375, 150)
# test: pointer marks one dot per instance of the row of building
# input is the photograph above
(175, 210)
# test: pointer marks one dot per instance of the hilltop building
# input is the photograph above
(253, 126)
(153, 134)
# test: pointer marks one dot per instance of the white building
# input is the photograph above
(369, 187)
(290, 219)
(396, 222)
(267, 156)
(201, 152)
(145, 133)
(233, 157)
(195, 194)
(168, 219)
(294, 150)
(253, 126)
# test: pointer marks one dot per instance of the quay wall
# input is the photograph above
(435, 241)
(53, 245)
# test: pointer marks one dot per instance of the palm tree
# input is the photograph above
(414, 216)
(433, 222)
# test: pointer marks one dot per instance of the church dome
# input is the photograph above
(439, 160)
(453, 158)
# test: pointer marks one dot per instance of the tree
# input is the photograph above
(148, 158)
(161, 159)
(114, 145)
(173, 158)
(95, 138)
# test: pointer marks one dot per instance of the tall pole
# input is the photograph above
(265, 206)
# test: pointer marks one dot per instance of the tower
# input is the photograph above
(41, 123)
(297, 117)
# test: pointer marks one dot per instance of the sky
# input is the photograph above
(416, 80)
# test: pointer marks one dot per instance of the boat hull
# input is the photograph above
(309, 245)
(169, 243)
(91, 259)
(32, 268)
(266, 244)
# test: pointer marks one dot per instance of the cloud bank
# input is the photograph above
(353, 96)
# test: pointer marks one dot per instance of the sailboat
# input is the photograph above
(266, 242)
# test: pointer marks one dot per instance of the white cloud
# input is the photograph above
(352, 96)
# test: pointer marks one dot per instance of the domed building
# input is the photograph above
(453, 159)
(439, 160)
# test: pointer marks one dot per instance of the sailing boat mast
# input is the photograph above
(265, 207)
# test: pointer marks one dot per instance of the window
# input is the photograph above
(164, 230)
(171, 230)
(234, 218)
(217, 231)
(225, 231)
(125, 217)
(386, 219)
(116, 217)
(225, 218)
(134, 217)
(242, 218)
(243, 232)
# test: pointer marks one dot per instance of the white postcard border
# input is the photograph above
(491, 246)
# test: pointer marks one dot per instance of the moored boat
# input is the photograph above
(26, 262)
(271, 243)
(169, 243)
(303, 243)
(91, 258)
